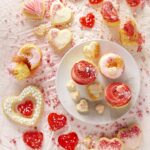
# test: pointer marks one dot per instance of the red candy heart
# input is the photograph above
(95, 1)
(68, 141)
(88, 20)
(56, 121)
(33, 139)
(26, 108)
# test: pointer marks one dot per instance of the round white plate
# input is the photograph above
(131, 76)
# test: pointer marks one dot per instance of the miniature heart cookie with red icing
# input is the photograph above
(60, 14)
(26, 108)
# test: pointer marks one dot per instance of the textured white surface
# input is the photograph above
(16, 30)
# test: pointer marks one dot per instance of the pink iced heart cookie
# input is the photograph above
(34, 9)
(110, 144)
(60, 14)
(131, 136)
(59, 39)
(26, 108)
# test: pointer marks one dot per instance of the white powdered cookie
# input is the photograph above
(100, 108)
(60, 39)
(75, 96)
(21, 115)
(82, 106)
(71, 86)
(60, 14)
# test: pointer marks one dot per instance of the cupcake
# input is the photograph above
(118, 94)
(84, 72)
(111, 65)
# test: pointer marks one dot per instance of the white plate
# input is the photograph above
(131, 76)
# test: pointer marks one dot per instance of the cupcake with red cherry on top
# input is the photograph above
(118, 94)
(111, 65)
(84, 72)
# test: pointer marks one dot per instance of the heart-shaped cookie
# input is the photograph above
(60, 39)
(60, 15)
(131, 136)
(82, 106)
(33, 139)
(92, 51)
(110, 144)
(56, 121)
(68, 141)
(26, 108)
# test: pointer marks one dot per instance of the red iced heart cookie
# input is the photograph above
(110, 144)
(68, 141)
(88, 20)
(56, 121)
(131, 136)
(26, 108)
(33, 139)
(95, 1)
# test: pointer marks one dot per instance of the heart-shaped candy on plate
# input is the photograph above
(26, 108)
(68, 141)
(60, 39)
(60, 14)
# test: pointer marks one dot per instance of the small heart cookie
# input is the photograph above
(92, 51)
(131, 136)
(82, 106)
(60, 39)
(26, 108)
(110, 144)
(60, 15)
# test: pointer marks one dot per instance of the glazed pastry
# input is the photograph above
(71, 86)
(111, 65)
(34, 9)
(25, 109)
(110, 144)
(110, 14)
(75, 96)
(60, 14)
(118, 94)
(95, 91)
(129, 34)
(82, 106)
(100, 108)
(31, 55)
(84, 72)
(60, 39)
(92, 51)
(41, 30)
(19, 70)
(131, 136)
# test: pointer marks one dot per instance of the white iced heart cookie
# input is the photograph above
(60, 39)
(92, 51)
(82, 106)
(60, 15)
(131, 137)
(26, 108)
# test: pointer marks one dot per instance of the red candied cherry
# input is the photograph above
(95, 1)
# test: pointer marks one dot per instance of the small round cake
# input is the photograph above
(118, 94)
(84, 72)
(111, 65)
